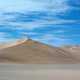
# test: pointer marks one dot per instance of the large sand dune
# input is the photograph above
(29, 51)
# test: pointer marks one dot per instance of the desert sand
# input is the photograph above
(33, 52)
(39, 72)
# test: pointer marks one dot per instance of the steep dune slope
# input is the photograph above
(34, 52)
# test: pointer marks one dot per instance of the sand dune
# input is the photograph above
(29, 51)
(2, 46)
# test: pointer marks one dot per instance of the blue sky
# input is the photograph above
(54, 22)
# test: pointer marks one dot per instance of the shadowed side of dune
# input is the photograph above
(36, 53)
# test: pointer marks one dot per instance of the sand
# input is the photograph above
(33, 52)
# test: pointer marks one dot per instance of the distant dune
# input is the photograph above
(33, 52)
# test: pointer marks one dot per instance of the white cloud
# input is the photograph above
(3, 34)
(51, 40)
(21, 5)
(39, 24)
(34, 5)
